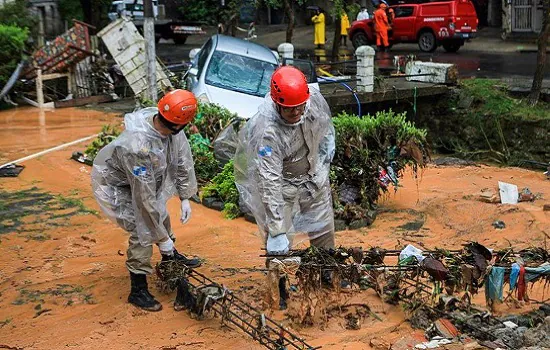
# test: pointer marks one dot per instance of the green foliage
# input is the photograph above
(484, 122)
(206, 166)
(353, 10)
(210, 120)
(17, 14)
(491, 98)
(108, 133)
(223, 187)
(206, 11)
(12, 44)
(70, 9)
(363, 147)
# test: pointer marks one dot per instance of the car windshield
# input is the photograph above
(239, 73)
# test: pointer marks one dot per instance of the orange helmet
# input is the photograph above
(178, 106)
(289, 87)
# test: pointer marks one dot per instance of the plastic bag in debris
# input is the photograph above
(134, 176)
(409, 251)
(284, 185)
(225, 144)
(197, 300)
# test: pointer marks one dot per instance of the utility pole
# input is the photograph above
(150, 55)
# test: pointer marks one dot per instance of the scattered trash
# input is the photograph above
(409, 251)
(526, 196)
(510, 324)
(434, 343)
(11, 170)
(488, 195)
(82, 158)
(508, 193)
(499, 224)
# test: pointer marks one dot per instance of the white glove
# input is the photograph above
(185, 211)
(278, 245)
(166, 247)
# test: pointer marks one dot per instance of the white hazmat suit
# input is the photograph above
(134, 176)
(282, 171)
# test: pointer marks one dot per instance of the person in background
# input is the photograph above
(319, 25)
(363, 14)
(344, 26)
(381, 27)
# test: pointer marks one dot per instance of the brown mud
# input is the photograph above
(68, 288)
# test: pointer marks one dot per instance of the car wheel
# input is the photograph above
(426, 42)
(180, 39)
(452, 46)
(359, 39)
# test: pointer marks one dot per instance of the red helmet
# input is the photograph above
(289, 87)
(178, 106)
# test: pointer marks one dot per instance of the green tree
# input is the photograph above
(17, 14)
(288, 6)
(541, 56)
(12, 44)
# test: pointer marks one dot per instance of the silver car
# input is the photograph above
(231, 72)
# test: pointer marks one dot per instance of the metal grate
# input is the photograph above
(236, 312)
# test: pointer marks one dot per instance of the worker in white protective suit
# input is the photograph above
(282, 164)
(134, 176)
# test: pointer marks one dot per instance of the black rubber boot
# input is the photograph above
(139, 294)
(194, 262)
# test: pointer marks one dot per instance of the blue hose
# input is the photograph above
(350, 90)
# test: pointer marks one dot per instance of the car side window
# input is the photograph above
(403, 11)
(203, 55)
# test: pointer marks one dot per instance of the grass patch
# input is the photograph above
(34, 210)
(491, 98)
(73, 294)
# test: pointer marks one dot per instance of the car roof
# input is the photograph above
(243, 48)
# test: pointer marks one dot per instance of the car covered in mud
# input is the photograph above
(442, 23)
(236, 73)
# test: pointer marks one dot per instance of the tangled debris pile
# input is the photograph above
(432, 286)
(201, 296)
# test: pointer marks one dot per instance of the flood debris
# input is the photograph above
(202, 297)
(435, 287)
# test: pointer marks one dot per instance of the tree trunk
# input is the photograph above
(289, 11)
(336, 43)
(541, 55)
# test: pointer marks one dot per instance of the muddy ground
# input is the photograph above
(63, 283)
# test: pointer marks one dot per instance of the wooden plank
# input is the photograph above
(82, 101)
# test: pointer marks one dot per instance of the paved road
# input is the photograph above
(470, 63)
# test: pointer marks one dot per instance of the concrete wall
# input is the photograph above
(49, 10)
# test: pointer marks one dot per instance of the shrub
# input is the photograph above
(206, 166)
(223, 187)
(108, 133)
(211, 119)
(371, 153)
